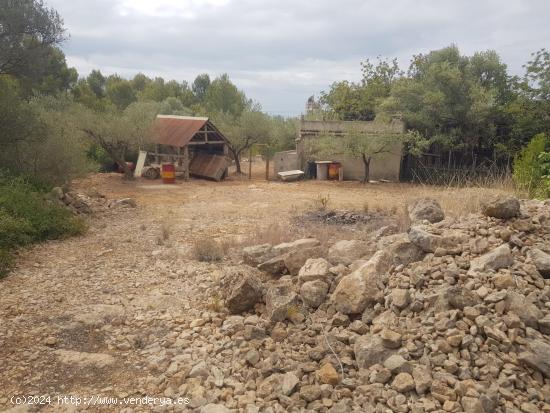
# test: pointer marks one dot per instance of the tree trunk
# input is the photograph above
(366, 164)
(237, 157)
(238, 163)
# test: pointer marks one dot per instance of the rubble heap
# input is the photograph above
(453, 315)
(89, 203)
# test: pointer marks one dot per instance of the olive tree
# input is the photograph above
(117, 132)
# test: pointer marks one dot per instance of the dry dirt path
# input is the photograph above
(109, 312)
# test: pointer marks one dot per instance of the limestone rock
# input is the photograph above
(244, 295)
(257, 254)
(289, 383)
(370, 350)
(314, 269)
(425, 209)
(405, 252)
(528, 312)
(397, 364)
(314, 293)
(345, 252)
(538, 357)
(422, 378)
(500, 257)
(279, 299)
(214, 408)
(541, 261)
(401, 298)
(328, 374)
(273, 266)
(295, 259)
(449, 241)
(390, 338)
(502, 206)
(350, 296)
(310, 392)
(299, 244)
(403, 383)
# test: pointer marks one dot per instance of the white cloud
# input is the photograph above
(188, 9)
(282, 51)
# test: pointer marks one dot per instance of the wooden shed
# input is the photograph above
(194, 144)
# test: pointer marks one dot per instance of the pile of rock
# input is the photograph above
(89, 203)
(452, 316)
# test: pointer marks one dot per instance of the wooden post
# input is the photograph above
(250, 163)
(266, 168)
(186, 162)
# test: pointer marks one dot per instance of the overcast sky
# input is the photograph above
(282, 51)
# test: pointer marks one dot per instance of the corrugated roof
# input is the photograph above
(176, 130)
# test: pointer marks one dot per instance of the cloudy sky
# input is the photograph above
(282, 51)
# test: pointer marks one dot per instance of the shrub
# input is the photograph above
(532, 167)
(27, 216)
(208, 250)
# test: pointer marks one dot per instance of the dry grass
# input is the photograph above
(273, 234)
(207, 249)
(216, 304)
(322, 202)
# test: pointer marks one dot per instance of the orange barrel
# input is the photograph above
(333, 169)
(168, 173)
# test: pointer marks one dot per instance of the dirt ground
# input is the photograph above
(102, 314)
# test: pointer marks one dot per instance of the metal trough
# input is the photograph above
(289, 176)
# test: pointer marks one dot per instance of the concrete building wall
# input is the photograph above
(285, 161)
(384, 166)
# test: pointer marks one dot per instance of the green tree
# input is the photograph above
(119, 132)
(200, 86)
(223, 96)
(29, 31)
(360, 101)
(244, 131)
(97, 82)
(530, 106)
(119, 91)
(20, 126)
(532, 167)
(452, 99)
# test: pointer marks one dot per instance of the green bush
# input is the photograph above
(532, 168)
(27, 216)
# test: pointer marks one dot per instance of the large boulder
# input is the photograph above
(314, 269)
(347, 251)
(455, 297)
(425, 209)
(257, 254)
(352, 294)
(364, 286)
(500, 257)
(370, 350)
(314, 293)
(528, 312)
(279, 301)
(450, 240)
(274, 266)
(405, 252)
(244, 295)
(538, 357)
(541, 261)
(295, 259)
(501, 206)
(303, 243)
